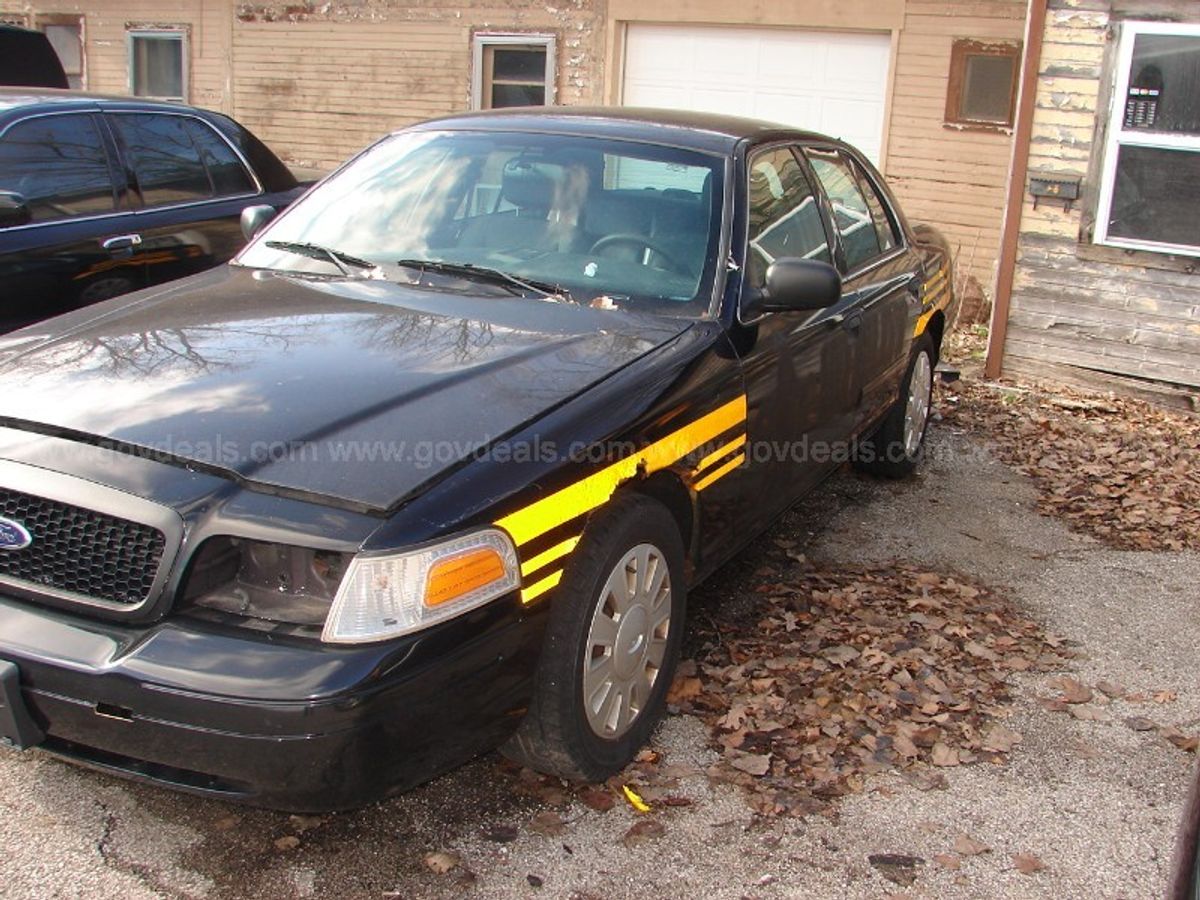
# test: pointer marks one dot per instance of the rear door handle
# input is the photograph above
(915, 284)
(121, 242)
(851, 321)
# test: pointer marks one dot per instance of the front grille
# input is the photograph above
(81, 551)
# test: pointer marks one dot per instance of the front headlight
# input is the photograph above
(387, 595)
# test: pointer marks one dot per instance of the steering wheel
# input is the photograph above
(639, 240)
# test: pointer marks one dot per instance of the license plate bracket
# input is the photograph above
(17, 728)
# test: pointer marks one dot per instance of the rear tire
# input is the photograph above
(611, 646)
(895, 449)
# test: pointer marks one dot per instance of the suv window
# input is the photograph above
(226, 171)
(785, 219)
(164, 158)
(58, 164)
(851, 212)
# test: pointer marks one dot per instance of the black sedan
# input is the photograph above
(100, 195)
(431, 467)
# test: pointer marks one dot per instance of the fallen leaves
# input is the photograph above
(1027, 863)
(965, 845)
(441, 861)
(1118, 469)
(831, 677)
(897, 868)
(642, 831)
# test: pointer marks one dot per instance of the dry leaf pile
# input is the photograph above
(850, 673)
(1120, 469)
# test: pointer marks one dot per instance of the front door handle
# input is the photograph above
(121, 242)
(852, 321)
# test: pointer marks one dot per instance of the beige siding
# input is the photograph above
(106, 22)
(952, 178)
(318, 87)
(1075, 305)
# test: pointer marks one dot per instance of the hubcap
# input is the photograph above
(916, 412)
(627, 641)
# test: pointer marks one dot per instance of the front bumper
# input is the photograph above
(281, 723)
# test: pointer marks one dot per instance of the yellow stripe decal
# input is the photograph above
(549, 556)
(723, 451)
(537, 589)
(593, 491)
(721, 472)
(923, 321)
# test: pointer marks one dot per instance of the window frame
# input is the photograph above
(481, 40)
(178, 33)
(42, 20)
(1116, 137)
(960, 51)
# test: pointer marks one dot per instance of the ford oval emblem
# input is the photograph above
(14, 535)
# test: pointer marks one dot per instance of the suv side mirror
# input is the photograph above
(255, 219)
(800, 284)
(13, 210)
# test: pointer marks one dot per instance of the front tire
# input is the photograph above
(894, 450)
(610, 648)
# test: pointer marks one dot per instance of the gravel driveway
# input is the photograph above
(1091, 797)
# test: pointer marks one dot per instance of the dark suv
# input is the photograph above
(103, 195)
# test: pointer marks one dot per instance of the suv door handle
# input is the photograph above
(121, 242)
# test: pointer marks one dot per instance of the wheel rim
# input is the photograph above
(627, 641)
(916, 412)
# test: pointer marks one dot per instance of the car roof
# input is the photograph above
(703, 131)
(23, 99)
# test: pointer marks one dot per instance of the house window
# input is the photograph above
(158, 64)
(1151, 176)
(512, 70)
(65, 34)
(982, 92)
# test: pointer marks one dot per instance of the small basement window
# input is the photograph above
(1150, 187)
(982, 92)
(158, 64)
(512, 70)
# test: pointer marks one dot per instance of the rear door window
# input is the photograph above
(58, 165)
(851, 211)
(164, 157)
(226, 171)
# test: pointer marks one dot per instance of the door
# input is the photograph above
(60, 165)
(827, 81)
(797, 365)
(881, 279)
(193, 187)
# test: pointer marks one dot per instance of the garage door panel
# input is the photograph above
(834, 82)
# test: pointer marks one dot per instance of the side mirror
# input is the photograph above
(255, 219)
(13, 210)
(800, 284)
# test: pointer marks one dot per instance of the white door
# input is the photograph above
(834, 82)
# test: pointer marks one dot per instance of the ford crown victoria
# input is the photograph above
(431, 467)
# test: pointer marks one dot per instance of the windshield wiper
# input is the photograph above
(317, 251)
(486, 273)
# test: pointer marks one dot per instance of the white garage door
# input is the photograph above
(828, 81)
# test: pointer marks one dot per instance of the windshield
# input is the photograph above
(610, 224)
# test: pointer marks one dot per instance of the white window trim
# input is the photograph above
(1117, 136)
(177, 34)
(487, 39)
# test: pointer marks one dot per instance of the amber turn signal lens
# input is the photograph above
(458, 575)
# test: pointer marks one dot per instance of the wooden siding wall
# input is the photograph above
(106, 55)
(319, 86)
(950, 177)
(1076, 306)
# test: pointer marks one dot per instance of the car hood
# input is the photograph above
(354, 392)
